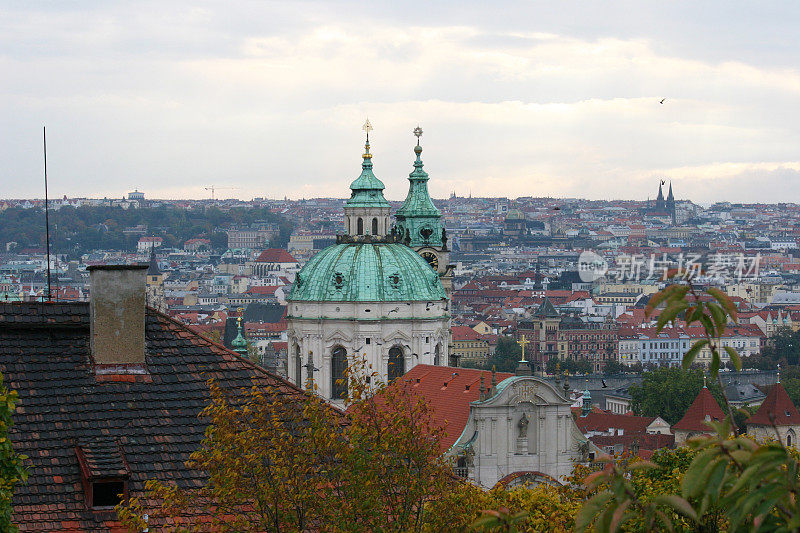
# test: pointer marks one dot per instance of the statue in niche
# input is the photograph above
(523, 426)
(522, 437)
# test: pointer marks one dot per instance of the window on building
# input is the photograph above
(107, 493)
(360, 226)
(298, 365)
(338, 377)
(397, 363)
(374, 226)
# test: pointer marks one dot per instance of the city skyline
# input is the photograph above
(521, 100)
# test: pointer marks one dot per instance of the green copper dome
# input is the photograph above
(367, 190)
(367, 272)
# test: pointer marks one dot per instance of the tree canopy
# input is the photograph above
(668, 392)
(78, 230)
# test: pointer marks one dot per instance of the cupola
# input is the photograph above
(366, 212)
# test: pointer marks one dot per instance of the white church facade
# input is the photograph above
(372, 298)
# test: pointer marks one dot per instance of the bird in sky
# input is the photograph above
(662, 101)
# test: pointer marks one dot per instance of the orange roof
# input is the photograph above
(777, 405)
(449, 391)
(703, 406)
(464, 333)
(275, 255)
(603, 421)
(263, 289)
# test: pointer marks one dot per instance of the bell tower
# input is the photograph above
(366, 212)
(419, 222)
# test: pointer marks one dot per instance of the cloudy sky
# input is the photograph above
(516, 99)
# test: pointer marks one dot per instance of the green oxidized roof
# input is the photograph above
(418, 202)
(367, 272)
(418, 216)
(239, 344)
(367, 190)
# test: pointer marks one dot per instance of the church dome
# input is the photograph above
(367, 272)
(515, 214)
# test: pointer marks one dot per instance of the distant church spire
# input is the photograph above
(670, 204)
(660, 204)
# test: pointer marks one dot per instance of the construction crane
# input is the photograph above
(213, 188)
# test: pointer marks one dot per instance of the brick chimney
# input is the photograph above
(117, 315)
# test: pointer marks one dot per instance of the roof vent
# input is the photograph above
(104, 472)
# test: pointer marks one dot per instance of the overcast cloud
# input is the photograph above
(517, 99)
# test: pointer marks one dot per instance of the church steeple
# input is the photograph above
(660, 204)
(670, 205)
(366, 212)
(239, 344)
(418, 220)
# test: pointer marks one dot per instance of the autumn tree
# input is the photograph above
(274, 464)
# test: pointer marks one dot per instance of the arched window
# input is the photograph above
(790, 438)
(360, 226)
(374, 226)
(298, 365)
(437, 354)
(338, 377)
(397, 363)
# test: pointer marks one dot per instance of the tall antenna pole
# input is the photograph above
(46, 211)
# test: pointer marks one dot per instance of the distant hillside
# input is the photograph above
(75, 231)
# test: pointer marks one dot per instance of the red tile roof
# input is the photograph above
(68, 430)
(263, 289)
(602, 421)
(647, 443)
(464, 333)
(778, 405)
(449, 391)
(275, 255)
(703, 406)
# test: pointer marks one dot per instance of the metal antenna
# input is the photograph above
(46, 212)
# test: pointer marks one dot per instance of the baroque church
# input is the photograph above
(380, 295)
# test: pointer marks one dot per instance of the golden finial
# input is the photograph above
(367, 127)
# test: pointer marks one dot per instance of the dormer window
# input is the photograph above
(104, 472)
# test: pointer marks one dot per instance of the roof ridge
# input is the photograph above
(222, 347)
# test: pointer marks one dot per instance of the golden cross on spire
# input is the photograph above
(523, 342)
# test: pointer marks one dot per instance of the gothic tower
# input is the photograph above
(660, 204)
(419, 222)
(671, 204)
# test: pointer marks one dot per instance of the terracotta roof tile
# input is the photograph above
(151, 428)
(602, 421)
(449, 390)
(778, 405)
(703, 408)
(275, 255)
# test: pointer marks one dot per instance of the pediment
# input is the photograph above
(528, 389)
(396, 336)
(338, 335)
